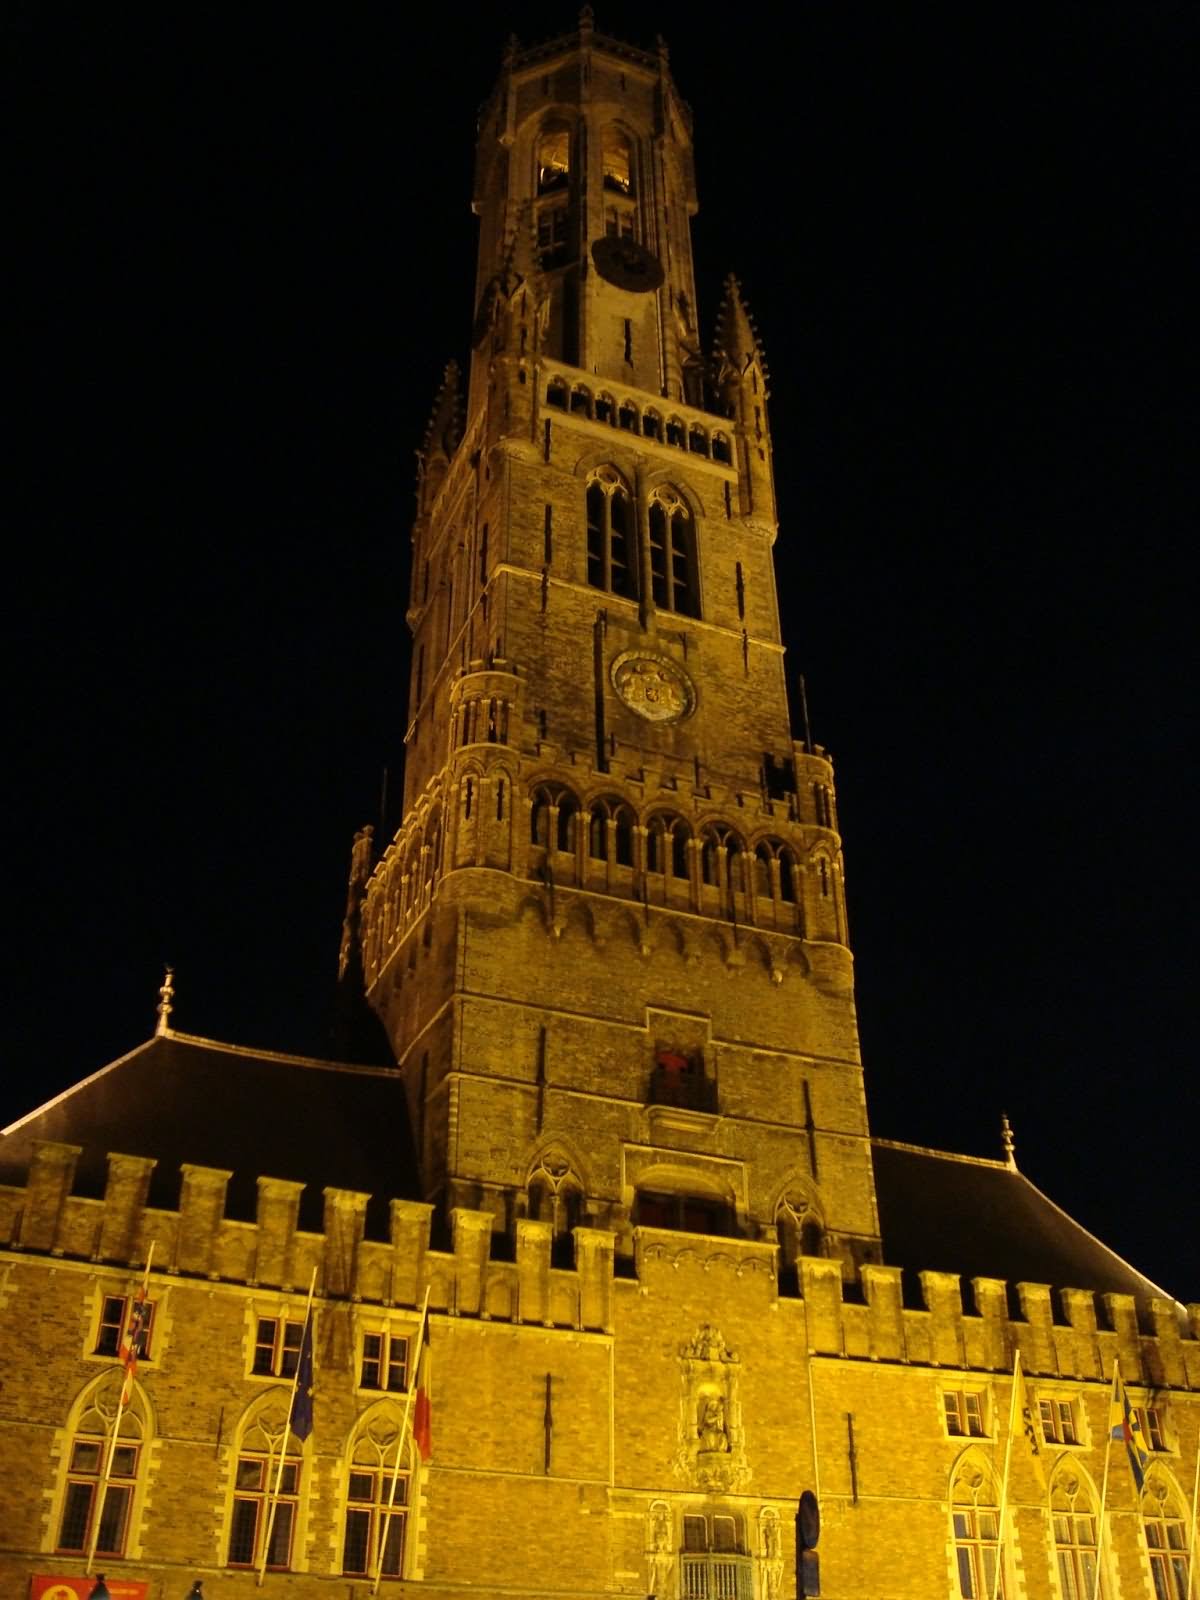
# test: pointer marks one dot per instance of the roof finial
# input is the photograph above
(165, 996)
(1007, 1140)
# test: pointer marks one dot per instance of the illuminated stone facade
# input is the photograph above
(609, 949)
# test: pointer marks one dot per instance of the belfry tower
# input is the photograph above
(609, 941)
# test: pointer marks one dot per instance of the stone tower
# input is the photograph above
(609, 941)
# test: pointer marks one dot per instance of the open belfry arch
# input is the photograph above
(618, 1144)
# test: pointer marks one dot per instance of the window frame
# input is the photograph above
(1059, 1421)
(285, 1344)
(259, 1496)
(385, 1360)
(114, 1332)
(963, 1402)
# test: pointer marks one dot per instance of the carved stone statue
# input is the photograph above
(712, 1424)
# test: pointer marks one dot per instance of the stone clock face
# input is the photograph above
(628, 264)
(653, 686)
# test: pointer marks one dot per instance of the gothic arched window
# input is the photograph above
(618, 162)
(975, 1518)
(553, 158)
(85, 1458)
(621, 832)
(1165, 1524)
(262, 1438)
(1074, 1516)
(552, 816)
(610, 545)
(666, 846)
(673, 554)
(713, 840)
(377, 1497)
(801, 1231)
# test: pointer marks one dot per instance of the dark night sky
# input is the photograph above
(244, 253)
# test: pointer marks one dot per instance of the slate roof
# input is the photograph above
(984, 1219)
(255, 1113)
(252, 1112)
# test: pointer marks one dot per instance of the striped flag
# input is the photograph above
(1125, 1425)
(1024, 1412)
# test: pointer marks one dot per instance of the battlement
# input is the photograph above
(1060, 1331)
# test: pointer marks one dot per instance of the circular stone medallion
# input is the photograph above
(653, 686)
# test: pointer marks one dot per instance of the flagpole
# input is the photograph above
(1112, 1400)
(408, 1400)
(1192, 1547)
(122, 1401)
(1012, 1422)
(273, 1503)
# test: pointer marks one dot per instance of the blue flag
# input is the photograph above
(301, 1418)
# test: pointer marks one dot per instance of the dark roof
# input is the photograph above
(984, 1219)
(251, 1112)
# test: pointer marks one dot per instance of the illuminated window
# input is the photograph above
(257, 1470)
(1059, 1425)
(673, 554)
(85, 1471)
(113, 1326)
(618, 163)
(1074, 1519)
(976, 1524)
(553, 159)
(276, 1347)
(384, 1362)
(964, 1413)
(610, 563)
(1166, 1539)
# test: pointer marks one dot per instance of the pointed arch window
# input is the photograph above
(252, 1528)
(552, 814)
(90, 1441)
(667, 846)
(556, 1197)
(801, 1231)
(554, 158)
(376, 1515)
(618, 163)
(673, 554)
(975, 1519)
(1165, 1524)
(621, 832)
(713, 840)
(610, 562)
(1073, 1512)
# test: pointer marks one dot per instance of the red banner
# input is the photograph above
(80, 1588)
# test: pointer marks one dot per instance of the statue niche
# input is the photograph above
(711, 1453)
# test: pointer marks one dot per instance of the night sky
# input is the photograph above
(244, 252)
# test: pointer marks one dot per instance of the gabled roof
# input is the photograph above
(984, 1219)
(251, 1112)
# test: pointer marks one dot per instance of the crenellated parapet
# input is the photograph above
(1062, 1333)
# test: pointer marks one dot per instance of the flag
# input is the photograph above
(135, 1332)
(1027, 1425)
(422, 1426)
(1125, 1425)
(301, 1418)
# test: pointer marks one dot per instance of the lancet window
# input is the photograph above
(673, 554)
(258, 1520)
(88, 1452)
(667, 846)
(610, 563)
(1073, 1512)
(801, 1231)
(1165, 1524)
(552, 815)
(774, 871)
(975, 1520)
(377, 1498)
(610, 833)
(554, 158)
(714, 840)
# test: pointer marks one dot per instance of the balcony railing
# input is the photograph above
(717, 1577)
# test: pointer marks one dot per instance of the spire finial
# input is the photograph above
(1007, 1140)
(166, 996)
